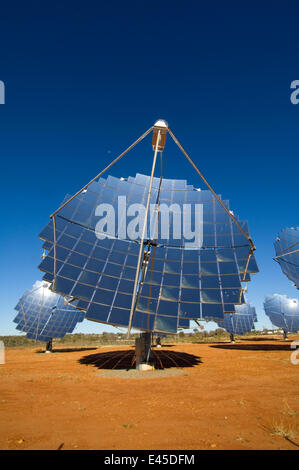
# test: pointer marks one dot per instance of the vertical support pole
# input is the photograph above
(143, 235)
(49, 346)
(143, 348)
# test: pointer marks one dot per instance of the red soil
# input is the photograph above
(242, 396)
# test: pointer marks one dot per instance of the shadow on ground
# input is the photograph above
(211, 342)
(254, 347)
(61, 350)
(260, 339)
(163, 359)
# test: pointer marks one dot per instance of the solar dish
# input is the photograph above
(287, 253)
(179, 284)
(242, 321)
(148, 252)
(283, 312)
(44, 315)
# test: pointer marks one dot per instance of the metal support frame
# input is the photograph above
(286, 254)
(159, 137)
(133, 304)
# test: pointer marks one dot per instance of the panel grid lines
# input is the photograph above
(184, 284)
(43, 315)
(283, 312)
(287, 253)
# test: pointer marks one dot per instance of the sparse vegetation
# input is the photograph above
(284, 430)
(288, 411)
(81, 339)
(21, 341)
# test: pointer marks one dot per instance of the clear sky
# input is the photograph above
(85, 79)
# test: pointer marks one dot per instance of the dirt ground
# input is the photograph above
(239, 396)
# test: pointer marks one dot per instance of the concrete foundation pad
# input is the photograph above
(143, 366)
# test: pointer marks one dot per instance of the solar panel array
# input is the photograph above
(43, 315)
(283, 312)
(287, 253)
(242, 321)
(180, 284)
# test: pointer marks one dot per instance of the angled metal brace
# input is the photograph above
(212, 190)
(52, 216)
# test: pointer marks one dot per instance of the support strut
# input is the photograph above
(49, 346)
(143, 351)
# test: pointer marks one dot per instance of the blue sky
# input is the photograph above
(85, 79)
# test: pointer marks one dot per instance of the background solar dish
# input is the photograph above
(240, 322)
(283, 312)
(287, 253)
(180, 284)
(43, 315)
